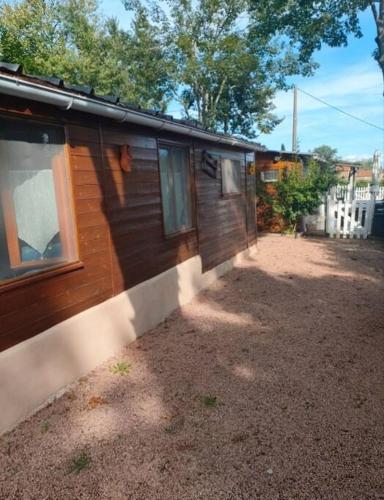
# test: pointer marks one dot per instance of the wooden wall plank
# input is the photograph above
(227, 215)
(119, 222)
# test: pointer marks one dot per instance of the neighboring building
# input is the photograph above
(270, 167)
(364, 175)
(344, 170)
(110, 218)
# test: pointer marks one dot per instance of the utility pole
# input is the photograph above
(376, 168)
(294, 122)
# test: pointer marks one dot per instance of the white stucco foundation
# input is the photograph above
(36, 370)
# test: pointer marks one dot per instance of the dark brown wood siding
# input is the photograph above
(139, 249)
(119, 222)
(221, 219)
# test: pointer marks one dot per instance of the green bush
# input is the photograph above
(362, 184)
(300, 193)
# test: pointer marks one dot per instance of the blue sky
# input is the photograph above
(348, 77)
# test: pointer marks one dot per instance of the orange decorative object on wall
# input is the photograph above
(251, 168)
(125, 158)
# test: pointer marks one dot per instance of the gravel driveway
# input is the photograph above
(269, 385)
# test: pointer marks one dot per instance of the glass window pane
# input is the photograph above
(32, 173)
(270, 176)
(230, 171)
(4, 259)
(167, 191)
(182, 188)
(175, 187)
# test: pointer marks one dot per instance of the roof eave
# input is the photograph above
(66, 100)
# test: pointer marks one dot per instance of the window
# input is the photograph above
(231, 178)
(36, 228)
(175, 189)
(270, 175)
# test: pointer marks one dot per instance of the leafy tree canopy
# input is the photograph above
(225, 71)
(309, 24)
(222, 60)
(326, 153)
(367, 163)
(70, 38)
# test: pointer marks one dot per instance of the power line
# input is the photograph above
(341, 110)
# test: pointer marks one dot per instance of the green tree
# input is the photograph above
(367, 163)
(70, 39)
(362, 184)
(30, 35)
(299, 194)
(147, 64)
(309, 24)
(224, 74)
(326, 154)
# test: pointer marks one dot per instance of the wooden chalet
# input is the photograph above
(110, 218)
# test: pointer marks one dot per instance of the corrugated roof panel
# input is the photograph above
(11, 67)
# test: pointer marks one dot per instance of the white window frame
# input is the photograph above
(274, 179)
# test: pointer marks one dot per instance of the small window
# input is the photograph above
(270, 176)
(230, 173)
(175, 189)
(36, 227)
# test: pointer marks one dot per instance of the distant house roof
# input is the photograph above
(55, 91)
(364, 172)
(344, 169)
(345, 166)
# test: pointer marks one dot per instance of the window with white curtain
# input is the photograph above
(36, 226)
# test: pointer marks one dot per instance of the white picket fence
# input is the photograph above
(360, 193)
(349, 213)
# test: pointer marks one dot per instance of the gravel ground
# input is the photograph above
(269, 385)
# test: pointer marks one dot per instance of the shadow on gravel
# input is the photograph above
(266, 386)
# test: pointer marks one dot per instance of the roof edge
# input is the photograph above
(65, 99)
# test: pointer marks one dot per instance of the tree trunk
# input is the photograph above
(378, 14)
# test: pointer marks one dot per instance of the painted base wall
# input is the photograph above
(35, 371)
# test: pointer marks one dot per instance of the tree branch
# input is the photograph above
(374, 10)
(379, 21)
(219, 93)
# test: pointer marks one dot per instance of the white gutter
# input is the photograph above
(16, 86)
